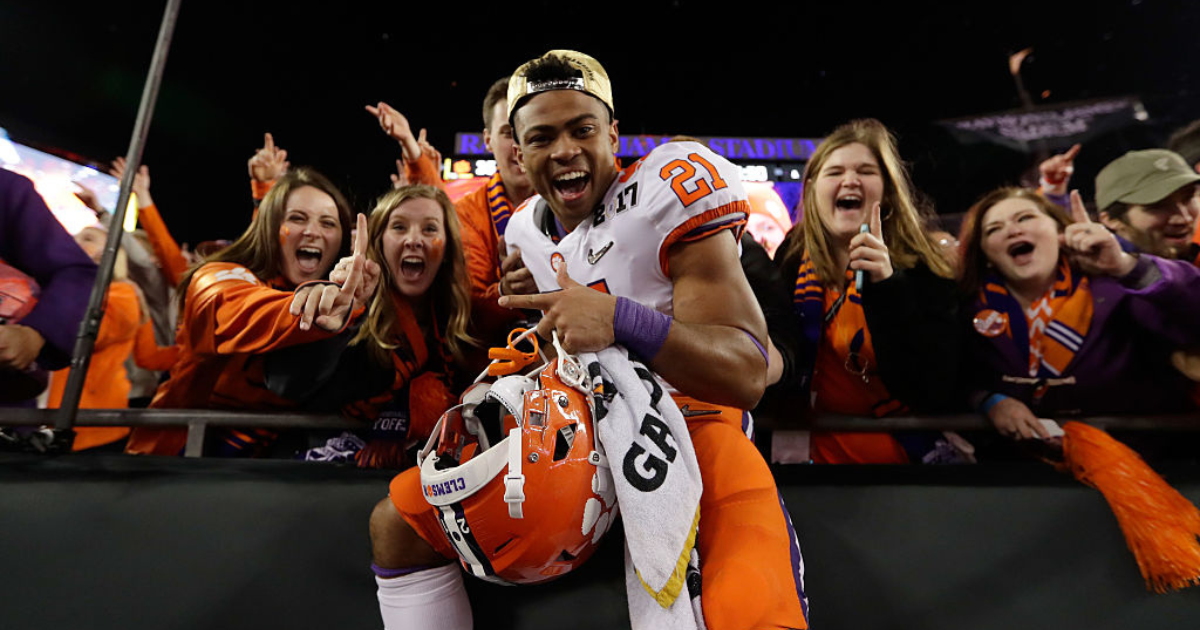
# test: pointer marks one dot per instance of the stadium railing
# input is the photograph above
(197, 421)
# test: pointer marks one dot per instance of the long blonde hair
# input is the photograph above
(450, 289)
(907, 242)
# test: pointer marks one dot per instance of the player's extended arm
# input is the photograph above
(709, 353)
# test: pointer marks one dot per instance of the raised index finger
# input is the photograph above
(1078, 211)
(1069, 156)
(268, 142)
(876, 223)
(354, 277)
(361, 238)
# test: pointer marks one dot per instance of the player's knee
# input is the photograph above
(735, 596)
(395, 544)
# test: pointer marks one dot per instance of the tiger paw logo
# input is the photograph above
(237, 273)
(556, 261)
(598, 511)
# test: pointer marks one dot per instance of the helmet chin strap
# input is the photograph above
(570, 370)
(514, 481)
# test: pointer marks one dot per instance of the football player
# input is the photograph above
(645, 256)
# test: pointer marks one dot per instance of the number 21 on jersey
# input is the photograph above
(690, 185)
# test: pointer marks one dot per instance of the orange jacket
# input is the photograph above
(170, 257)
(424, 171)
(106, 385)
(229, 320)
(481, 246)
(148, 354)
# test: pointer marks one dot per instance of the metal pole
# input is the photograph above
(90, 326)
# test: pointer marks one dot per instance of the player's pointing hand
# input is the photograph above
(582, 316)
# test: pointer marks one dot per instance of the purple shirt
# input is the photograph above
(1123, 363)
(33, 241)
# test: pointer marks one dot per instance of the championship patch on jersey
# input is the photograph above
(236, 273)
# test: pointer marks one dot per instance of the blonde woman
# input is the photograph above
(873, 294)
(396, 369)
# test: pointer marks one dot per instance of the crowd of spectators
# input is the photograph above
(1038, 311)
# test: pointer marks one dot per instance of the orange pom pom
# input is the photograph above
(428, 399)
(1160, 525)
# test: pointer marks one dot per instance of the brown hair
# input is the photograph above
(451, 295)
(495, 94)
(973, 268)
(1186, 142)
(257, 249)
(902, 221)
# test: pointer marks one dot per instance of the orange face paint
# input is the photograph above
(437, 247)
(284, 233)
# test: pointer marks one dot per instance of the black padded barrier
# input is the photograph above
(108, 542)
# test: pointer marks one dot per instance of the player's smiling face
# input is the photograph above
(568, 145)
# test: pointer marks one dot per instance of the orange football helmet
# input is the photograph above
(516, 475)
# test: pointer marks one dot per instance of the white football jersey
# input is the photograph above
(680, 191)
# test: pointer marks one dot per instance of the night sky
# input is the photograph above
(71, 75)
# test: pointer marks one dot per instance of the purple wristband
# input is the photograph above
(388, 574)
(640, 328)
(760, 347)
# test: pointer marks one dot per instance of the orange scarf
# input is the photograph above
(1056, 324)
(420, 392)
(844, 378)
(845, 374)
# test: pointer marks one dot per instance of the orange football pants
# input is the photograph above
(750, 563)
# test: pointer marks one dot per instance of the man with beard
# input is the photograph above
(1148, 199)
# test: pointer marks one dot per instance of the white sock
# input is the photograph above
(433, 599)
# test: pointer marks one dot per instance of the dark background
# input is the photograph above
(71, 76)
(171, 543)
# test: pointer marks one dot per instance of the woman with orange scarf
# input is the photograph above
(396, 370)
(873, 294)
(1063, 322)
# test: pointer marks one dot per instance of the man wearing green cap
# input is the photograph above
(1148, 198)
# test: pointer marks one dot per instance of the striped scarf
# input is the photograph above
(1053, 328)
(835, 335)
(498, 204)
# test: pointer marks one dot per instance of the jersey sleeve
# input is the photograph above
(170, 257)
(691, 193)
(230, 311)
(423, 171)
(148, 354)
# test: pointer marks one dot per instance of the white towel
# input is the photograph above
(649, 450)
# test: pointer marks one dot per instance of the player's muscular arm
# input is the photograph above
(705, 354)
(708, 354)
